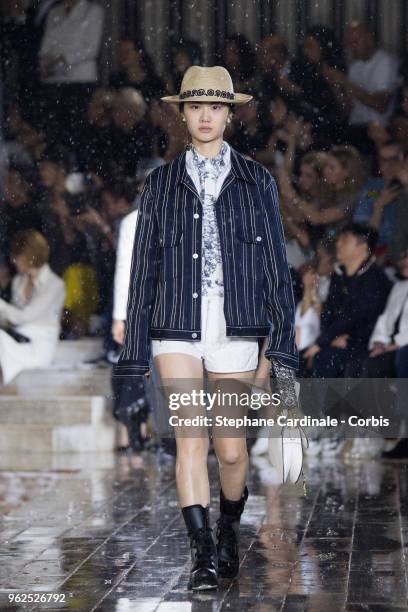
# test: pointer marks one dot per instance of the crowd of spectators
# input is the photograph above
(333, 132)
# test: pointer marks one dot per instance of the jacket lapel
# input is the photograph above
(239, 170)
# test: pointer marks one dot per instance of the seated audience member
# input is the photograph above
(95, 153)
(388, 358)
(169, 132)
(320, 51)
(325, 255)
(91, 260)
(399, 121)
(312, 189)
(31, 321)
(376, 204)
(399, 236)
(344, 177)
(307, 317)
(289, 136)
(370, 85)
(24, 144)
(238, 57)
(20, 210)
(357, 295)
(183, 54)
(54, 167)
(273, 65)
(249, 132)
(136, 70)
(132, 134)
(388, 343)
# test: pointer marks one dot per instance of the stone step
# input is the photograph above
(51, 410)
(71, 352)
(58, 439)
(57, 411)
(49, 382)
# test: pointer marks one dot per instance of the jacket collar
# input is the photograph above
(239, 167)
(365, 266)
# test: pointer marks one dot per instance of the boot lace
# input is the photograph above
(226, 536)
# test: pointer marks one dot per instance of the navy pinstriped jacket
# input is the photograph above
(165, 286)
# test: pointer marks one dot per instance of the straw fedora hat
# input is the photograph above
(207, 84)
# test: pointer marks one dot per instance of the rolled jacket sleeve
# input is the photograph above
(278, 284)
(135, 355)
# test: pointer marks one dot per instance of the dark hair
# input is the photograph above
(393, 143)
(332, 52)
(190, 47)
(121, 188)
(363, 233)
(231, 106)
(246, 55)
(58, 155)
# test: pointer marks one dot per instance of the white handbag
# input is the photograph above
(285, 451)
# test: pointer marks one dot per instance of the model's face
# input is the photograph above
(206, 121)
(307, 178)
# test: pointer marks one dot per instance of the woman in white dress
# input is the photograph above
(30, 323)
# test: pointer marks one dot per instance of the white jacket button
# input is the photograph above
(194, 335)
(195, 295)
(258, 238)
(195, 255)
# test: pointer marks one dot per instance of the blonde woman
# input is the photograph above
(31, 321)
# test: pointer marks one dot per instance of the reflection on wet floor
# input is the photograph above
(107, 532)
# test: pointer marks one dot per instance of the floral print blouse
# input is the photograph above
(208, 176)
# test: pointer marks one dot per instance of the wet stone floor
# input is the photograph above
(105, 533)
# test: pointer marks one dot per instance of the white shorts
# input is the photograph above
(219, 353)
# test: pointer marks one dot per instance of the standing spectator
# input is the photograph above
(68, 64)
(31, 322)
(368, 90)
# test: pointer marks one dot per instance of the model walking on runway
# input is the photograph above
(209, 277)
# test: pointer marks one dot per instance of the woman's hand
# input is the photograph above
(118, 331)
(312, 351)
(378, 349)
(340, 341)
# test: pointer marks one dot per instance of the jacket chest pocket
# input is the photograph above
(249, 223)
(170, 230)
(170, 243)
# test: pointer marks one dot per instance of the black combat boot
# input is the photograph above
(228, 535)
(203, 574)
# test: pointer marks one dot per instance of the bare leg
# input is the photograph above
(192, 452)
(232, 452)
